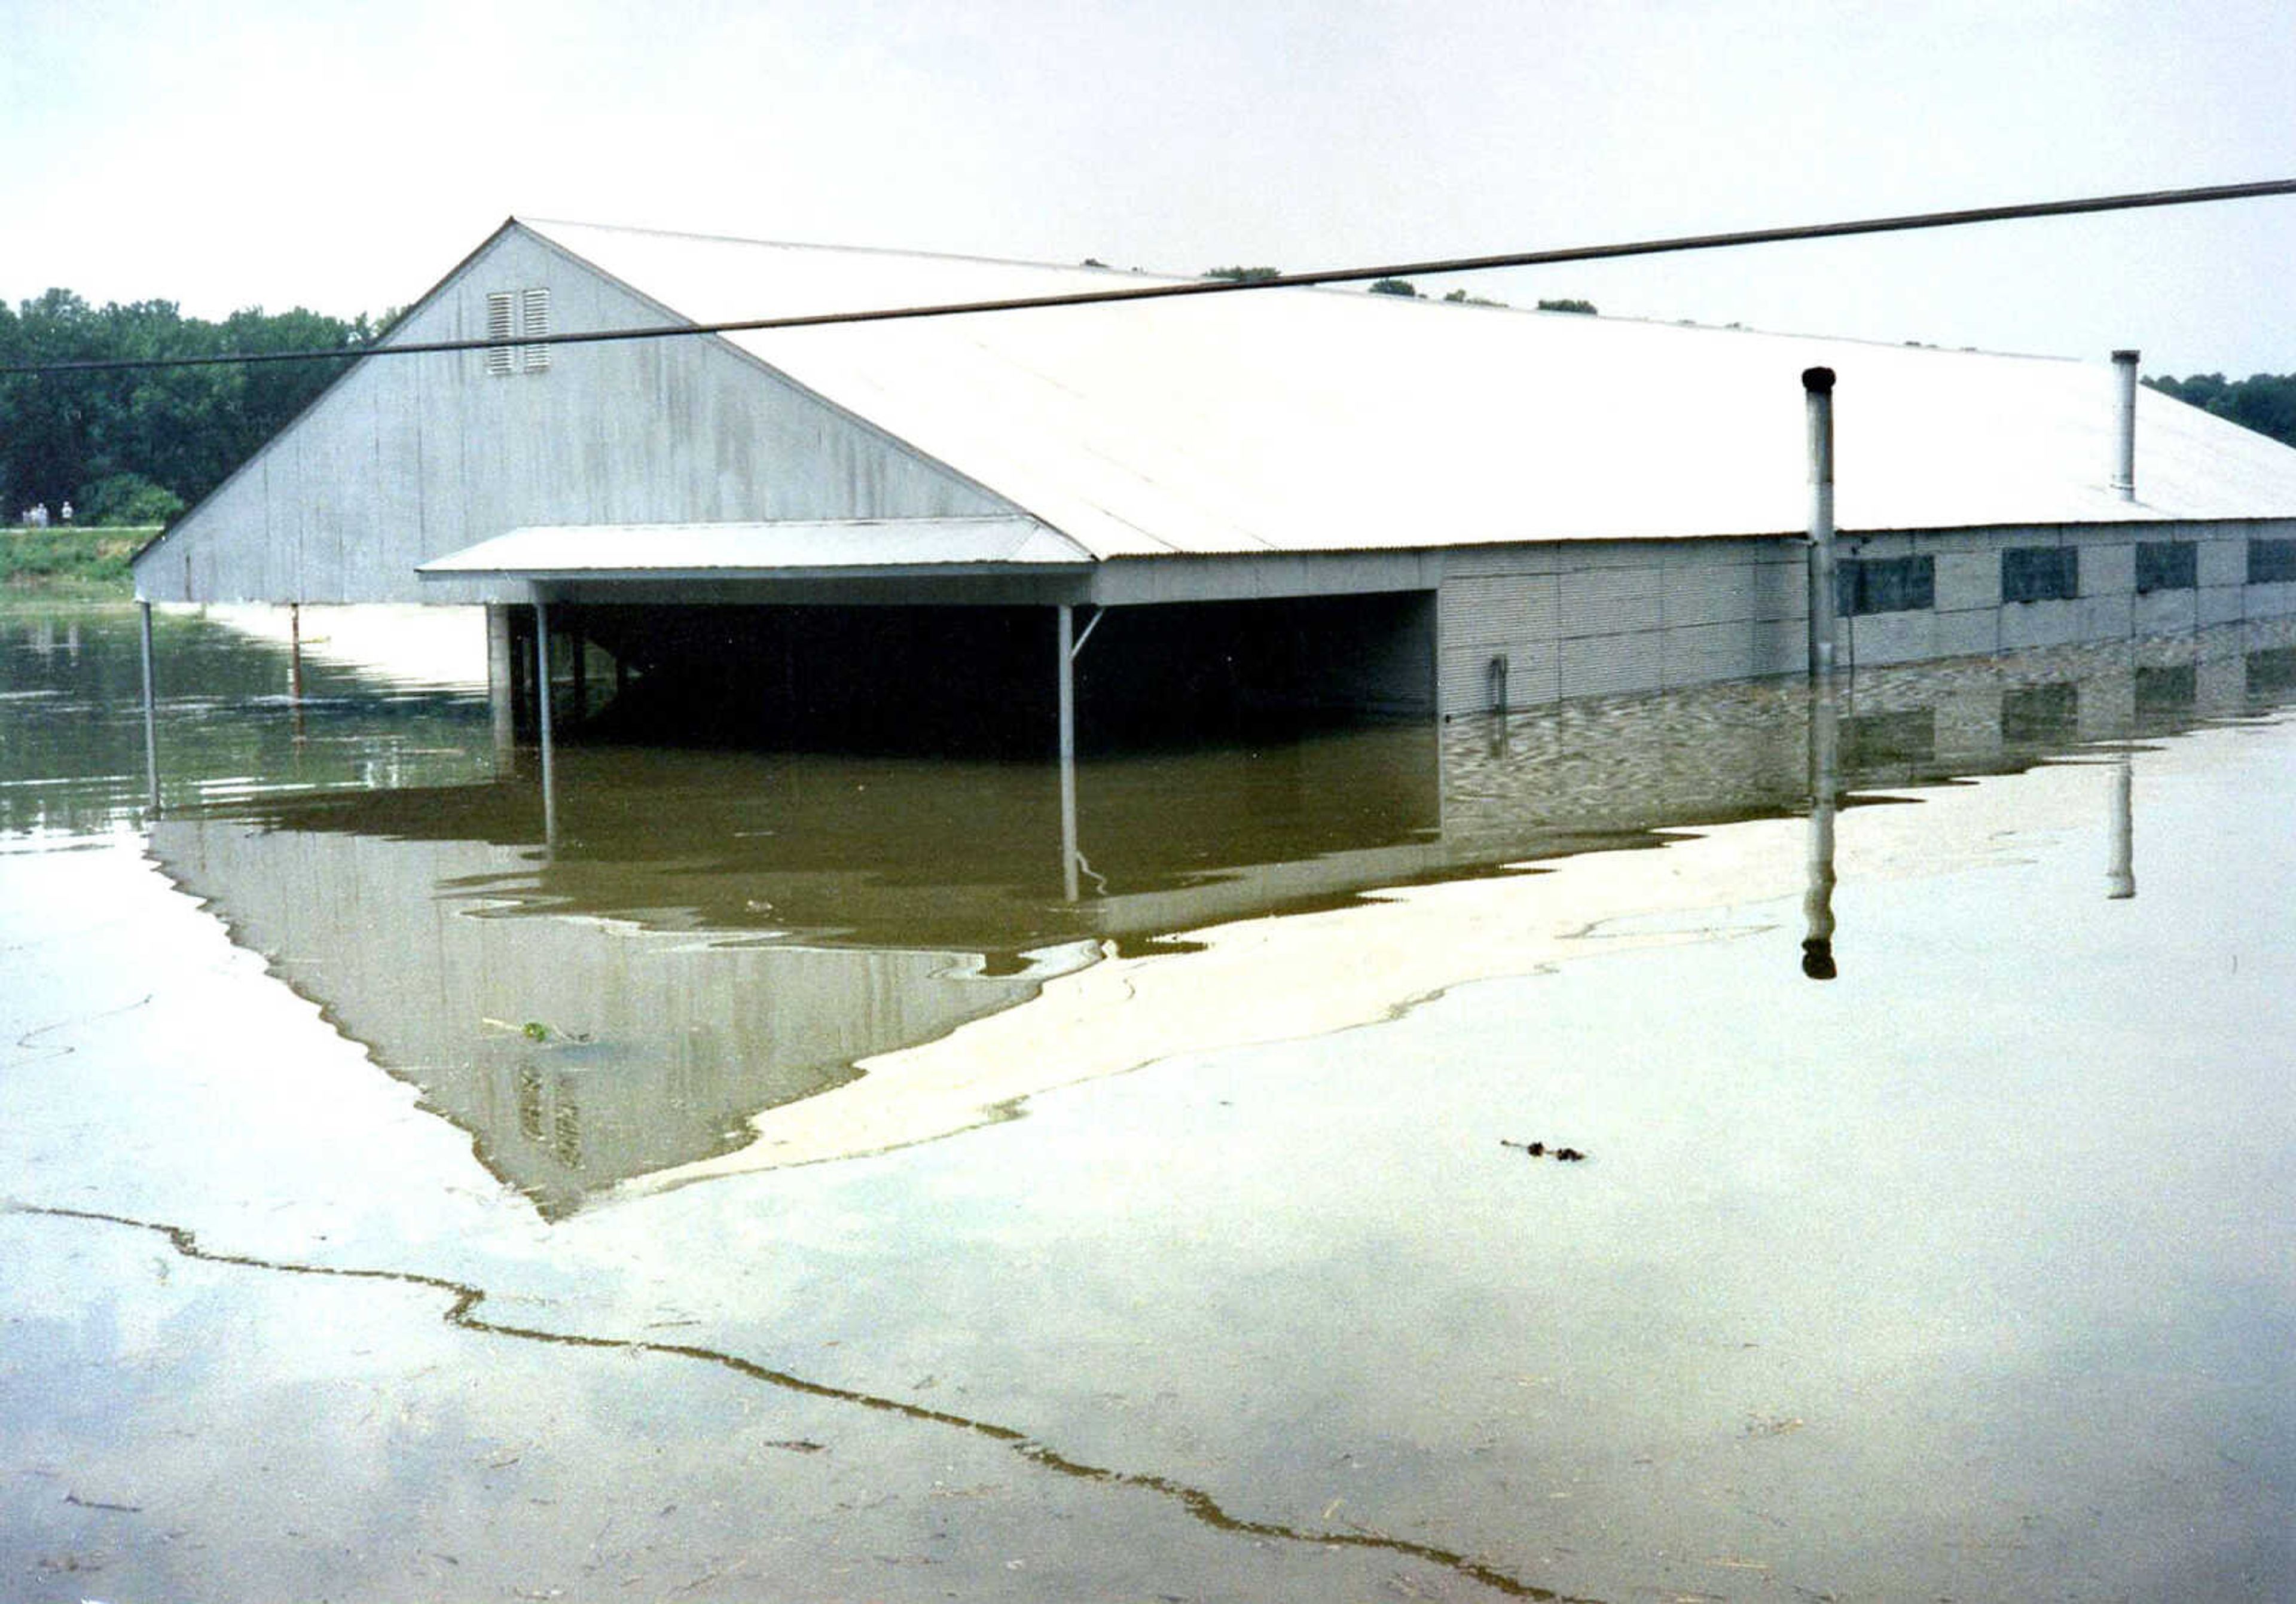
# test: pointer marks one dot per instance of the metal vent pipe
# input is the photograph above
(1817, 388)
(2124, 459)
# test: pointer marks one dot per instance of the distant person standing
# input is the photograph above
(67, 511)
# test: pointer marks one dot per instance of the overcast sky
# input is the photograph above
(345, 156)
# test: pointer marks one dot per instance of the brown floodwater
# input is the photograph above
(767, 1182)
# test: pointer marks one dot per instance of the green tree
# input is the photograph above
(1566, 305)
(148, 437)
(2263, 402)
(45, 426)
(1394, 286)
(128, 498)
(1244, 275)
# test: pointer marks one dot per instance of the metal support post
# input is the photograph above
(501, 683)
(1066, 645)
(580, 651)
(1817, 388)
(542, 720)
(295, 664)
(151, 713)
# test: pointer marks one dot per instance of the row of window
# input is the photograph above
(1884, 584)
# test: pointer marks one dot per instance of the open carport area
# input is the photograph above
(980, 678)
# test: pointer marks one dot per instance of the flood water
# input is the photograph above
(769, 1183)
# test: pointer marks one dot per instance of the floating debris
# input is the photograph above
(1539, 1150)
(75, 1500)
(535, 1030)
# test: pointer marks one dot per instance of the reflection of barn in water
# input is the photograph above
(1731, 751)
(578, 1051)
(928, 533)
(718, 933)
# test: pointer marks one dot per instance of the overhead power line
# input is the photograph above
(1281, 281)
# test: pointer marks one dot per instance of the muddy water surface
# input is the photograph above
(775, 1187)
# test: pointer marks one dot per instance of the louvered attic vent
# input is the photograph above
(533, 323)
(515, 314)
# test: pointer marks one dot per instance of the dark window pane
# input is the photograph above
(2040, 574)
(2270, 561)
(1880, 585)
(2166, 565)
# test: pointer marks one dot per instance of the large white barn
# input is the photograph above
(1289, 494)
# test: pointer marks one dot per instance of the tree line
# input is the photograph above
(2263, 402)
(1386, 286)
(138, 447)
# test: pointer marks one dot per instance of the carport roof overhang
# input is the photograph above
(953, 561)
(731, 552)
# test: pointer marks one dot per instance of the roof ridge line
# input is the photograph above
(544, 224)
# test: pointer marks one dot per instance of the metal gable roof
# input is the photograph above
(1299, 421)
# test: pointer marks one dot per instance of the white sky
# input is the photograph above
(345, 156)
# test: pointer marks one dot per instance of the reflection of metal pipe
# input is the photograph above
(2124, 459)
(1818, 390)
(1065, 635)
(1825, 784)
(2121, 878)
(150, 716)
(1497, 674)
(542, 720)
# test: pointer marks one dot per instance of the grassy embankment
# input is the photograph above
(76, 564)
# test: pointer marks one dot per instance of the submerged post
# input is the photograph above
(1064, 634)
(542, 720)
(502, 683)
(295, 664)
(151, 713)
(2124, 457)
(1817, 389)
(579, 649)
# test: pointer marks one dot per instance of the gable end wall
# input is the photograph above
(407, 458)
